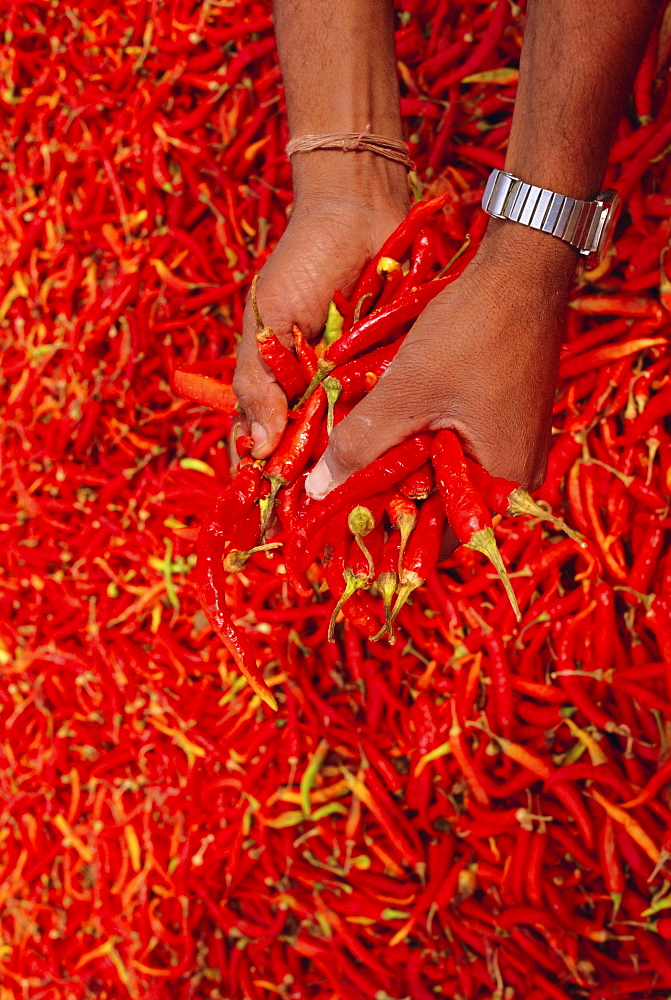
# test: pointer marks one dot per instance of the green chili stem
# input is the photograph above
(485, 542)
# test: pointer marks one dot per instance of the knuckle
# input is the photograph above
(241, 385)
(245, 395)
(342, 452)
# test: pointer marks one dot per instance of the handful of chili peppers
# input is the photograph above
(385, 524)
(479, 810)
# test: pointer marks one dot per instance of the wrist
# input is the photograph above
(535, 255)
(358, 178)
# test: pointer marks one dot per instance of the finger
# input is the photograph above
(265, 407)
(384, 418)
(259, 395)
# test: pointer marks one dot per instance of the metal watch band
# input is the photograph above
(576, 222)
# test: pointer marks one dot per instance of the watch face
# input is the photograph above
(610, 212)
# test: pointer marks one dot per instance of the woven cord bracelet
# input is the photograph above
(353, 142)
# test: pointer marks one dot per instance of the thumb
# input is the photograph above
(380, 421)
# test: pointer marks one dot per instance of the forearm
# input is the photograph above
(339, 69)
(577, 69)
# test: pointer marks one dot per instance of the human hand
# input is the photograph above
(339, 222)
(481, 359)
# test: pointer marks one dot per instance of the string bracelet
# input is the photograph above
(353, 142)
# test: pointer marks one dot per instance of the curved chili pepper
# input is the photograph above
(487, 43)
(655, 785)
(423, 259)
(570, 678)
(353, 380)
(466, 766)
(385, 322)
(305, 353)
(282, 363)
(533, 882)
(630, 825)
(402, 514)
(211, 578)
(501, 674)
(656, 409)
(611, 863)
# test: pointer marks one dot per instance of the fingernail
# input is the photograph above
(259, 435)
(319, 481)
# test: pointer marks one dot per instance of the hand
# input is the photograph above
(328, 240)
(481, 359)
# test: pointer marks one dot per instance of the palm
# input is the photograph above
(324, 247)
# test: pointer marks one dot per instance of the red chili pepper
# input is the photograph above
(387, 578)
(655, 785)
(384, 322)
(282, 363)
(420, 557)
(504, 496)
(464, 506)
(423, 259)
(654, 412)
(197, 382)
(533, 883)
(465, 764)
(572, 367)
(478, 57)
(397, 244)
(293, 453)
(305, 353)
(609, 549)
(402, 513)
(499, 669)
(611, 863)
(379, 475)
(419, 484)
(641, 161)
(354, 379)
(359, 568)
(212, 579)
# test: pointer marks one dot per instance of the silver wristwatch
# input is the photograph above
(586, 225)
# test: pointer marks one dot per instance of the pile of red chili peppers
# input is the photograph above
(480, 809)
